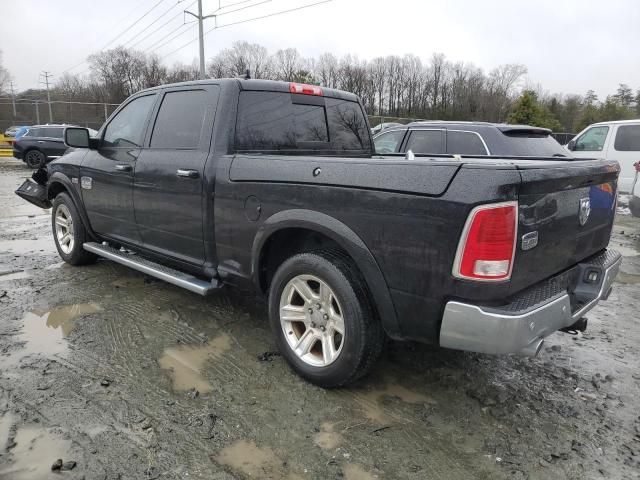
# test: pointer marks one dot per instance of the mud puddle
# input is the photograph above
(35, 450)
(43, 331)
(6, 422)
(255, 462)
(44, 244)
(376, 404)
(327, 438)
(12, 275)
(185, 363)
(353, 471)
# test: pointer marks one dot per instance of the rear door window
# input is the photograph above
(465, 143)
(628, 138)
(592, 140)
(180, 120)
(426, 142)
(51, 132)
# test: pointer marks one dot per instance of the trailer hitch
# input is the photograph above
(579, 326)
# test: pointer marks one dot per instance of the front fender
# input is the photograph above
(348, 240)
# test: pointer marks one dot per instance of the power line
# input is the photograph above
(162, 26)
(164, 41)
(155, 5)
(246, 21)
(148, 26)
(113, 24)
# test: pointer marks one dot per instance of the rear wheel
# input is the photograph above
(69, 232)
(322, 318)
(35, 159)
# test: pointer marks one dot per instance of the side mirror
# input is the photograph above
(571, 146)
(76, 137)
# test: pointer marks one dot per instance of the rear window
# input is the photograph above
(628, 138)
(272, 121)
(529, 145)
(465, 143)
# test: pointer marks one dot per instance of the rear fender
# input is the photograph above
(348, 240)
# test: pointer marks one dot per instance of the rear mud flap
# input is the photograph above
(34, 193)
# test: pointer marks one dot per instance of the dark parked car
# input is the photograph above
(41, 144)
(274, 186)
(11, 131)
(469, 138)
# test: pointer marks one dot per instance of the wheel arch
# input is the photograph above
(334, 231)
(60, 183)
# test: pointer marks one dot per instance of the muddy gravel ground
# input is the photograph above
(124, 377)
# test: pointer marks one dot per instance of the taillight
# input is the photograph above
(305, 89)
(487, 246)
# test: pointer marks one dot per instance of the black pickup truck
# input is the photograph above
(276, 186)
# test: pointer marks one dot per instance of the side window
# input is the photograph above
(33, 132)
(628, 138)
(180, 120)
(426, 141)
(51, 132)
(388, 142)
(592, 140)
(126, 129)
(264, 122)
(465, 143)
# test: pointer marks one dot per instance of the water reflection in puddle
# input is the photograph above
(186, 362)
(35, 451)
(254, 462)
(43, 331)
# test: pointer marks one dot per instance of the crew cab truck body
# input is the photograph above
(275, 186)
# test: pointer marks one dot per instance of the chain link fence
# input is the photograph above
(84, 114)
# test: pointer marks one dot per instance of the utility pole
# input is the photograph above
(201, 19)
(37, 113)
(46, 76)
(13, 98)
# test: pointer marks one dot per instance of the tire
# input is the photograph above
(634, 206)
(69, 236)
(35, 159)
(335, 297)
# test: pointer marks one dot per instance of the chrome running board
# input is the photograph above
(169, 275)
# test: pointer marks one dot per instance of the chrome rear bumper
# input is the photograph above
(521, 326)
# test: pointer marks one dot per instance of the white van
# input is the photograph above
(612, 141)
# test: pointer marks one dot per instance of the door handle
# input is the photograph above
(187, 173)
(40, 141)
(124, 168)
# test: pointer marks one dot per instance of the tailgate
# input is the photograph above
(569, 207)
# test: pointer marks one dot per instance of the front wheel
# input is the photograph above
(69, 232)
(322, 318)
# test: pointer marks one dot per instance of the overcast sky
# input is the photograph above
(569, 46)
